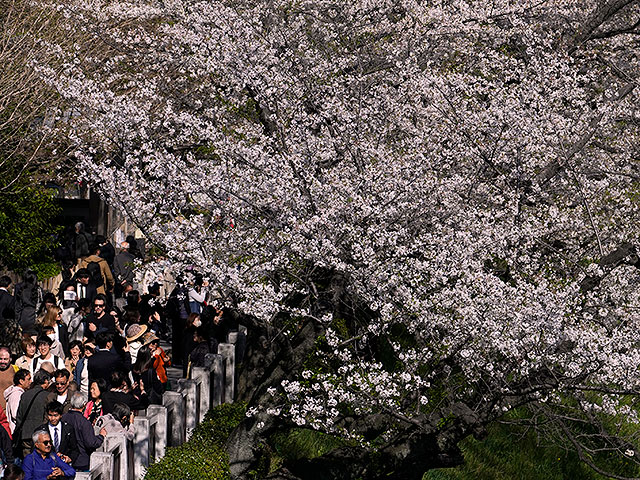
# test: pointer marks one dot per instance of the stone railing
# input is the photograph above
(173, 422)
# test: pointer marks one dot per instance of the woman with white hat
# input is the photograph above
(135, 331)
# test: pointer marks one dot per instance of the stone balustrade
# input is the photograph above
(173, 422)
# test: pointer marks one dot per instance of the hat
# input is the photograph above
(135, 331)
(148, 338)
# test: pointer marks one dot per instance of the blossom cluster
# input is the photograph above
(463, 165)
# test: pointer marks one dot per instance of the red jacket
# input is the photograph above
(5, 422)
(160, 361)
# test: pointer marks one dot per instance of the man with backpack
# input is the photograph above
(99, 270)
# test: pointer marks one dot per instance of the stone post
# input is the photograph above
(202, 375)
(116, 445)
(216, 364)
(175, 404)
(227, 351)
(189, 389)
(158, 415)
(141, 446)
(241, 344)
(101, 464)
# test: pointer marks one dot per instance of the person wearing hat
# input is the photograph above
(135, 331)
(46, 355)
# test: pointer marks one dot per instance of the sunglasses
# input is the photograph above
(47, 442)
(61, 383)
(101, 305)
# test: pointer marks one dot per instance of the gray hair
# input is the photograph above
(36, 435)
(41, 377)
(78, 401)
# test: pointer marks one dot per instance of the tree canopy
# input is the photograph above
(426, 212)
(29, 151)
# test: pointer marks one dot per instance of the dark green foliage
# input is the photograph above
(206, 461)
(219, 422)
(510, 455)
(291, 445)
(203, 456)
(27, 234)
(300, 443)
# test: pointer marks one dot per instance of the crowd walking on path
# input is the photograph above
(80, 362)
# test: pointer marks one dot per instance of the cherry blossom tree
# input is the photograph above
(28, 145)
(425, 212)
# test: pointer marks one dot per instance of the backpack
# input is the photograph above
(96, 273)
(56, 363)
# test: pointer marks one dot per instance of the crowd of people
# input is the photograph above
(79, 362)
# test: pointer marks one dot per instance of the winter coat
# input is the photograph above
(28, 298)
(105, 271)
(12, 396)
(123, 267)
(87, 439)
(36, 415)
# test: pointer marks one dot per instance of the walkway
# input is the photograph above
(170, 424)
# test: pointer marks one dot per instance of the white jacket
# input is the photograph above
(12, 395)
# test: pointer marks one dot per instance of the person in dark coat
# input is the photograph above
(87, 440)
(7, 302)
(31, 410)
(99, 320)
(197, 355)
(178, 313)
(85, 288)
(123, 264)
(28, 298)
(144, 372)
(104, 361)
(9, 329)
(64, 388)
(5, 446)
(106, 250)
(121, 392)
(188, 343)
(62, 434)
(82, 240)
